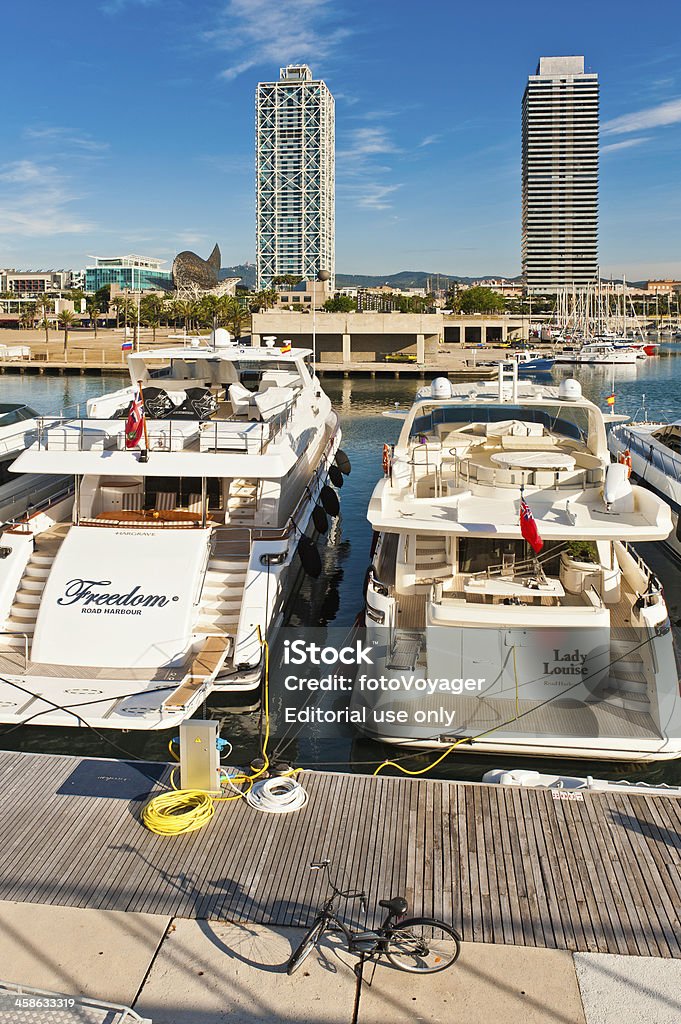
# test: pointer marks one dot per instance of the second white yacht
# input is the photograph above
(512, 612)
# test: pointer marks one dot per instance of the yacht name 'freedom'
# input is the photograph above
(81, 590)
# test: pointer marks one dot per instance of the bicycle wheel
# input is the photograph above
(305, 947)
(422, 945)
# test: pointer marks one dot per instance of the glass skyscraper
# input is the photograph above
(295, 177)
(560, 176)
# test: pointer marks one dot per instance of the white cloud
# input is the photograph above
(652, 117)
(370, 195)
(367, 142)
(116, 6)
(35, 202)
(429, 140)
(626, 144)
(65, 137)
(270, 32)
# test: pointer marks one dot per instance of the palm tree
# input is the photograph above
(45, 306)
(28, 316)
(66, 319)
(233, 315)
(151, 310)
(94, 310)
(262, 300)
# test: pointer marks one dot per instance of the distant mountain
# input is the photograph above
(404, 279)
(411, 279)
(246, 271)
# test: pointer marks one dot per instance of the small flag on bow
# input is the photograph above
(611, 399)
(528, 527)
(134, 424)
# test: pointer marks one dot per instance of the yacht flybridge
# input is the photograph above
(561, 646)
(159, 577)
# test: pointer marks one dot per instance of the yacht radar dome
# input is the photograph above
(221, 338)
(570, 390)
(441, 387)
(269, 340)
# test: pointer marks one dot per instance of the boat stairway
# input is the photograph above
(222, 595)
(24, 612)
(431, 557)
(242, 502)
(628, 684)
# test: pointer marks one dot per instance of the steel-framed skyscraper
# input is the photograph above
(560, 175)
(295, 177)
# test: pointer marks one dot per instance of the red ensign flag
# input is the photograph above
(528, 528)
(134, 425)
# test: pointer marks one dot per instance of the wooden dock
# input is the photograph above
(505, 865)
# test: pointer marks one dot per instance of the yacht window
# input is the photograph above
(479, 554)
(10, 414)
(572, 423)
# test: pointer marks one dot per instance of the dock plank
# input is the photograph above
(504, 865)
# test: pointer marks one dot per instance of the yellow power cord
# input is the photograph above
(186, 810)
(458, 743)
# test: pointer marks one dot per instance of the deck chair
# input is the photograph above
(194, 504)
(165, 501)
(132, 502)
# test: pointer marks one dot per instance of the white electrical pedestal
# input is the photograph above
(199, 755)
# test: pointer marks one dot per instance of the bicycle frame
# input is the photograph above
(371, 942)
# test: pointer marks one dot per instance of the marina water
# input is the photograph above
(337, 596)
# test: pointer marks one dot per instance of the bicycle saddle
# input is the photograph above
(397, 905)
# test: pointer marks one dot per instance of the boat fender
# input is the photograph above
(625, 459)
(343, 462)
(310, 557)
(335, 476)
(329, 500)
(386, 459)
(321, 523)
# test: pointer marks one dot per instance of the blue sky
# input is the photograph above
(127, 126)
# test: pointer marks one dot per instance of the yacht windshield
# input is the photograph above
(559, 419)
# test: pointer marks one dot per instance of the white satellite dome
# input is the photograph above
(441, 387)
(221, 337)
(570, 390)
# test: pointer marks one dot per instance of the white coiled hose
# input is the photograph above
(277, 796)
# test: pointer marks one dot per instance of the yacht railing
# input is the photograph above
(666, 461)
(20, 523)
(163, 435)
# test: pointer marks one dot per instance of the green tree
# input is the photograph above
(66, 319)
(233, 315)
(45, 305)
(262, 300)
(28, 316)
(340, 304)
(480, 300)
(125, 309)
(103, 297)
(151, 311)
(286, 280)
(94, 309)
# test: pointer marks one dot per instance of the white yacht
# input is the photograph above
(157, 579)
(559, 648)
(653, 451)
(23, 492)
(599, 353)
